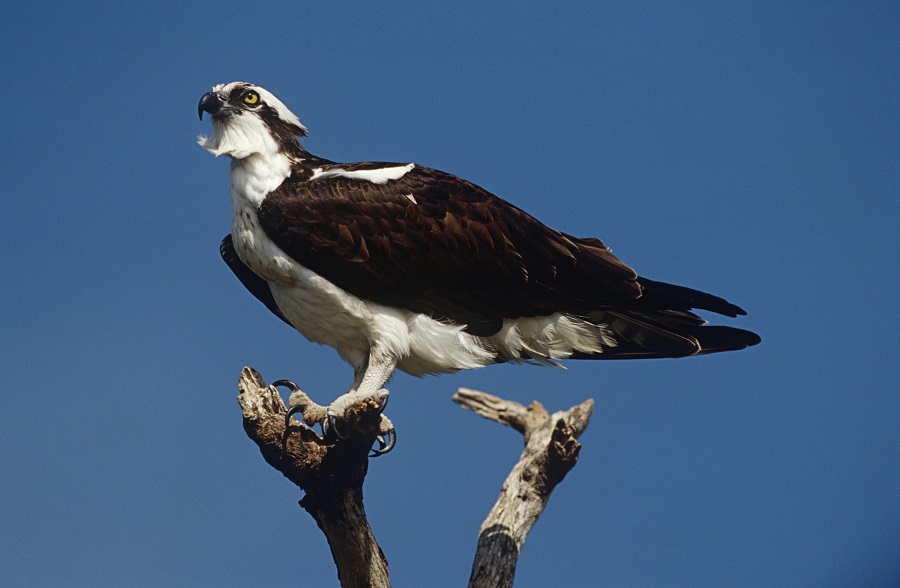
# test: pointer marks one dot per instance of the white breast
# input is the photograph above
(321, 311)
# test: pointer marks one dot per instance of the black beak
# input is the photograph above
(211, 103)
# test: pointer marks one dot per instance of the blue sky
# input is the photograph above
(748, 150)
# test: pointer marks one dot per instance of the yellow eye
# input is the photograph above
(251, 98)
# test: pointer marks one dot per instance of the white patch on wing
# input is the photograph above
(376, 176)
(411, 198)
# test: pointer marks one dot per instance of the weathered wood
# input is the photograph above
(551, 450)
(332, 475)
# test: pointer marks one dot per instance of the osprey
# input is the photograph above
(400, 266)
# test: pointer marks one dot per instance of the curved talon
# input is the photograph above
(291, 412)
(287, 384)
(330, 432)
(385, 445)
(294, 409)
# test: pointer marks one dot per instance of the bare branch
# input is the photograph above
(551, 450)
(331, 475)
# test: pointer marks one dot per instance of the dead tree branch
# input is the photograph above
(331, 475)
(551, 450)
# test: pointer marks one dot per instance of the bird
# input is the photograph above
(398, 266)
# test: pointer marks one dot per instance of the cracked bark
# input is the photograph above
(551, 450)
(332, 476)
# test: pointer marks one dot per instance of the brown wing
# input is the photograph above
(434, 243)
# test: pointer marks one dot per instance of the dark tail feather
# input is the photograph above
(666, 333)
(667, 340)
(717, 338)
(662, 295)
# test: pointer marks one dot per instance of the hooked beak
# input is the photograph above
(211, 102)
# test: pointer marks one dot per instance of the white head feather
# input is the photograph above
(244, 133)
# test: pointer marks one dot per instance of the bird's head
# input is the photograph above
(248, 120)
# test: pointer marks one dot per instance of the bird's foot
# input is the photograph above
(347, 408)
(351, 408)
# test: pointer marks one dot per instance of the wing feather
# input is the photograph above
(452, 250)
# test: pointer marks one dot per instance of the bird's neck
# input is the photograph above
(255, 176)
